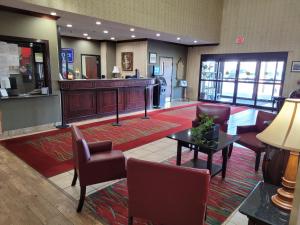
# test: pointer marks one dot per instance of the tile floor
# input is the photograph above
(156, 151)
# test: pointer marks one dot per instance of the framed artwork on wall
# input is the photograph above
(152, 57)
(127, 61)
(295, 66)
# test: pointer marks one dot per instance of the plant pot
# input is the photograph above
(212, 134)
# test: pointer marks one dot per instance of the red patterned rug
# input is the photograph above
(50, 153)
(110, 205)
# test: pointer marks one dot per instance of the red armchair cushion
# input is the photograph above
(249, 140)
(167, 194)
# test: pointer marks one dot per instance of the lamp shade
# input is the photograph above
(116, 70)
(284, 131)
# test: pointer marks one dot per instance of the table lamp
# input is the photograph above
(115, 71)
(283, 133)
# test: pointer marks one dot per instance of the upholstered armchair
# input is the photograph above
(248, 134)
(94, 163)
(166, 194)
(220, 112)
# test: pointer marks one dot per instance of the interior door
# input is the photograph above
(91, 67)
(166, 65)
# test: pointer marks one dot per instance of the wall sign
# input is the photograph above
(70, 54)
(240, 40)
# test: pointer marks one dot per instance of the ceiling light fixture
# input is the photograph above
(53, 14)
(133, 36)
(195, 41)
(88, 38)
(178, 38)
(98, 22)
(69, 25)
(112, 38)
(105, 31)
(85, 34)
(158, 35)
(132, 29)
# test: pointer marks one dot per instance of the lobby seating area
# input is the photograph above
(150, 112)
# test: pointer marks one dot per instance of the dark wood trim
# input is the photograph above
(81, 38)
(133, 40)
(204, 45)
(28, 12)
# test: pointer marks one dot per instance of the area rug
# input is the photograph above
(50, 153)
(110, 205)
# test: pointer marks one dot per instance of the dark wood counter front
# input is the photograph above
(85, 99)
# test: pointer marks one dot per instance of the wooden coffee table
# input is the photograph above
(185, 139)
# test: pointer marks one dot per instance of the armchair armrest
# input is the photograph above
(245, 129)
(101, 146)
(195, 122)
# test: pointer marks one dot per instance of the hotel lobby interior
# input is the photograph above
(150, 112)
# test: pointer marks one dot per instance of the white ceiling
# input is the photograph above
(84, 24)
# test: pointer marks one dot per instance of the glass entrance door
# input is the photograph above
(246, 83)
(251, 79)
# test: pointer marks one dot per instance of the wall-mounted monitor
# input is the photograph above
(156, 70)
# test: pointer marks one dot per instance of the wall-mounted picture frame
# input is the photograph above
(152, 58)
(127, 61)
(295, 66)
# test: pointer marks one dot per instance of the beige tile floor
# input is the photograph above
(156, 151)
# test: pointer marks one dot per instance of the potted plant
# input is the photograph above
(207, 132)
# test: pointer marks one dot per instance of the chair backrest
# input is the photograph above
(221, 112)
(81, 152)
(167, 194)
(262, 118)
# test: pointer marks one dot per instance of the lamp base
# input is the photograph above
(285, 195)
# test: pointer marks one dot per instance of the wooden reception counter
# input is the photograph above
(85, 99)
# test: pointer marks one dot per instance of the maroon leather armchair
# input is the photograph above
(94, 163)
(248, 134)
(221, 112)
(166, 194)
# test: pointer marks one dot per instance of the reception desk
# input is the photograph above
(85, 99)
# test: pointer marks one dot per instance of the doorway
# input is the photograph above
(251, 79)
(90, 66)
(166, 66)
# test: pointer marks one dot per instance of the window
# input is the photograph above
(246, 79)
(25, 65)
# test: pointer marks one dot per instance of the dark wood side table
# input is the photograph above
(260, 210)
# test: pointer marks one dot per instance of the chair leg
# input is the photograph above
(257, 161)
(75, 177)
(130, 220)
(230, 150)
(82, 197)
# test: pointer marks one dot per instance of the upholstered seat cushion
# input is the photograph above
(249, 140)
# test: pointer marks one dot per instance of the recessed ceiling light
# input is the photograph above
(69, 25)
(85, 34)
(88, 38)
(158, 34)
(195, 41)
(132, 29)
(105, 31)
(112, 38)
(178, 38)
(53, 14)
(133, 36)
(98, 22)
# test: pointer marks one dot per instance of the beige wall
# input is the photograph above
(80, 47)
(140, 56)
(267, 25)
(196, 18)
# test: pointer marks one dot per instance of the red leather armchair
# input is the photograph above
(248, 134)
(94, 163)
(166, 194)
(221, 112)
